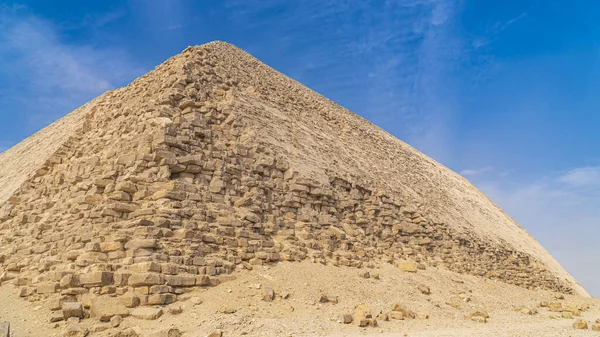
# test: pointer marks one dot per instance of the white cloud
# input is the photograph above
(563, 212)
(45, 77)
(474, 172)
(582, 177)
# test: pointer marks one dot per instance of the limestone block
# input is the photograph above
(96, 278)
(145, 279)
(47, 288)
(147, 313)
(72, 309)
(104, 308)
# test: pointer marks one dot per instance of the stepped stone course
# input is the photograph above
(214, 161)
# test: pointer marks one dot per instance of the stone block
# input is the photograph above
(145, 279)
(104, 308)
(96, 278)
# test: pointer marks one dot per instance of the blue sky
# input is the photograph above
(504, 92)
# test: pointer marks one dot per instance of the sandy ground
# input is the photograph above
(301, 314)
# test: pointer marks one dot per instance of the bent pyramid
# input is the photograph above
(215, 161)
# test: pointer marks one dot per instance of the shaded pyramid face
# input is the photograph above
(215, 161)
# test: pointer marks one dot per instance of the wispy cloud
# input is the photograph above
(562, 211)
(473, 172)
(46, 76)
(582, 177)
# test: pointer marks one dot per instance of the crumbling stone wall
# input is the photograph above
(164, 188)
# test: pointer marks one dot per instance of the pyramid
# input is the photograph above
(214, 162)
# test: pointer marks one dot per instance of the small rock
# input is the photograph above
(559, 296)
(284, 295)
(175, 309)
(226, 310)
(268, 294)
(147, 313)
(580, 324)
(596, 326)
(345, 318)
(567, 314)
(75, 330)
(115, 321)
(129, 332)
(364, 274)
(170, 332)
(56, 316)
(424, 289)
(216, 333)
(422, 315)
(409, 267)
(363, 316)
(406, 313)
(383, 317)
(544, 304)
(329, 299)
(478, 316)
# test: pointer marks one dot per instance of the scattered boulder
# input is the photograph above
(170, 332)
(174, 309)
(363, 316)
(147, 313)
(478, 316)
(72, 309)
(346, 319)
(216, 333)
(75, 330)
(567, 314)
(226, 310)
(424, 289)
(409, 267)
(383, 317)
(580, 324)
(329, 299)
(595, 326)
(115, 321)
(129, 332)
(400, 312)
(268, 294)
(555, 306)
